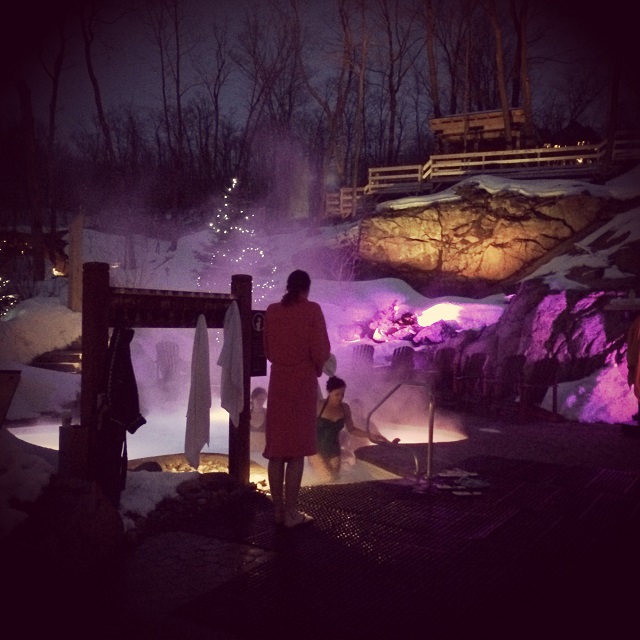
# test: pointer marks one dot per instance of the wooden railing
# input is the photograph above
(626, 146)
(343, 203)
(385, 178)
(566, 162)
(486, 124)
(523, 162)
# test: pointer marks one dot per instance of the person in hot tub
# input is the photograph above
(334, 415)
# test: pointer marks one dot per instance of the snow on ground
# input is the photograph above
(624, 187)
(42, 324)
(624, 228)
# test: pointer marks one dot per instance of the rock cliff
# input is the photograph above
(480, 241)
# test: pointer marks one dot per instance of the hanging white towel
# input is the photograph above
(198, 421)
(231, 384)
(329, 368)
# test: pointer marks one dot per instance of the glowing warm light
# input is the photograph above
(229, 222)
(44, 434)
(379, 336)
(441, 311)
(259, 478)
(350, 334)
(7, 300)
(412, 433)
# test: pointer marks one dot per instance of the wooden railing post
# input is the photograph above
(95, 344)
(239, 437)
(74, 300)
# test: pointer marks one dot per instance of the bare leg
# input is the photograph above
(319, 468)
(333, 464)
(293, 480)
(275, 472)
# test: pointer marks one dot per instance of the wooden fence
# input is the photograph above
(585, 161)
(107, 307)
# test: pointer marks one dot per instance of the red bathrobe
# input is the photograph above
(297, 346)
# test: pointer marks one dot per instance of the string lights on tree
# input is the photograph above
(12, 249)
(235, 247)
(7, 300)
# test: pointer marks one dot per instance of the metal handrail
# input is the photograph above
(431, 413)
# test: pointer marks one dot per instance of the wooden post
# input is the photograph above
(74, 300)
(95, 344)
(9, 379)
(73, 453)
(239, 437)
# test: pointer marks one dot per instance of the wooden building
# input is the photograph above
(476, 131)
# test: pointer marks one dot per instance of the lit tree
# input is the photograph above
(7, 299)
(235, 247)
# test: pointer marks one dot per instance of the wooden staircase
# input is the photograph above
(67, 360)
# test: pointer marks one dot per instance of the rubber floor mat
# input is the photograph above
(382, 561)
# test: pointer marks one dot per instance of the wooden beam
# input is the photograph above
(104, 307)
(239, 437)
(483, 125)
(74, 276)
(167, 309)
(9, 379)
(96, 297)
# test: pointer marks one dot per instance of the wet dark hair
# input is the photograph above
(298, 282)
(254, 394)
(257, 391)
(334, 383)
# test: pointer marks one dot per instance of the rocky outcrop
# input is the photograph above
(571, 327)
(479, 237)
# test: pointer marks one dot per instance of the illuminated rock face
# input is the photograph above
(569, 326)
(572, 330)
(481, 236)
(484, 243)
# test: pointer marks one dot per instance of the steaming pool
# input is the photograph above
(164, 434)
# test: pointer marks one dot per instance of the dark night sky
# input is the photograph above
(124, 73)
(26, 23)
(606, 27)
(609, 23)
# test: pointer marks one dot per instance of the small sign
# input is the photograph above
(258, 358)
(257, 321)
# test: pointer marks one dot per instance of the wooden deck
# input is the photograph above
(580, 161)
(476, 128)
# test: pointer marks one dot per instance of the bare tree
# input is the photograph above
(430, 26)
(131, 147)
(399, 48)
(168, 24)
(359, 115)
(214, 72)
(492, 12)
(471, 68)
(269, 59)
(89, 17)
(451, 24)
(521, 79)
(54, 74)
(174, 40)
(334, 97)
(31, 183)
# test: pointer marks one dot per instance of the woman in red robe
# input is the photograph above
(297, 346)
